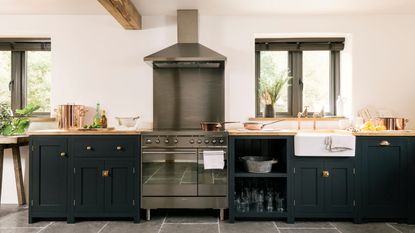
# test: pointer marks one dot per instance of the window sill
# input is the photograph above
(328, 118)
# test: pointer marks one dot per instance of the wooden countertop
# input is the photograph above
(244, 132)
(232, 132)
(384, 133)
(387, 133)
(84, 132)
(20, 139)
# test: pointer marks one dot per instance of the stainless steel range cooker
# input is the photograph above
(173, 173)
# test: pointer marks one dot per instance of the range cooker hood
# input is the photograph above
(187, 52)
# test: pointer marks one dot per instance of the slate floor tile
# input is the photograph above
(404, 228)
(190, 228)
(349, 227)
(19, 219)
(247, 227)
(130, 227)
(301, 224)
(81, 227)
(305, 230)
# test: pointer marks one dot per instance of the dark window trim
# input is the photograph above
(18, 81)
(295, 48)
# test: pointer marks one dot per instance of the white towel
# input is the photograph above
(214, 159)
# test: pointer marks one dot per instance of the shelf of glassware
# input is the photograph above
(266, 214)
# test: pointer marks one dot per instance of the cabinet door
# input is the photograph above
(308, 186)
(120, 185)
(49, 174)
(89, 185)
(384, 162)
(338, 187)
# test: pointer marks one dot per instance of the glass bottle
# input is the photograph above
(103, 120)
(97, 117)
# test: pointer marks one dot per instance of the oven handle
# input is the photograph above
(169, 152)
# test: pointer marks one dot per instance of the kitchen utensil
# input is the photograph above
(254, 125)
(392, 123)
(214, 125)
(128, 122)
(70, 116)
(258, 164)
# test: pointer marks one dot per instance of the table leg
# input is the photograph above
(1, 169)
(17, 161)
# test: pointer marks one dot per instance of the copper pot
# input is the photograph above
(70, 116)
(392, 123)
(253, 125)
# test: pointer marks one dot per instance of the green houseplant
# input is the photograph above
(270, 90)
(15, 124)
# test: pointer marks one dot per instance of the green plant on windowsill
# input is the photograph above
(15, 124)
(270, 90)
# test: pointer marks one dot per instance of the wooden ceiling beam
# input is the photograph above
(124, 12)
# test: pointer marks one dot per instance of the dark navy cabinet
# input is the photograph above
(48, 177)
(323, 187)
(84, 176)
(383, 177)
(88, 186)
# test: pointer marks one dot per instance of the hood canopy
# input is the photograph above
(188, 49)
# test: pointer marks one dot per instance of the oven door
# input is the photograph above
(169, 172)
(212, 182)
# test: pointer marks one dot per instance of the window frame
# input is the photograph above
(18, 80)
(295, 48)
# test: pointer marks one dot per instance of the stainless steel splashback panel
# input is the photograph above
(183, 97)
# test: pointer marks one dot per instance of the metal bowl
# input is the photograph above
(258, 164)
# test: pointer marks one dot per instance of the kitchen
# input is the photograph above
(94, 59)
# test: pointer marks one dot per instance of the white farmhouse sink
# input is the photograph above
(314, 143)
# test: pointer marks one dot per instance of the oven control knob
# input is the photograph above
(157, 141)
(199, 141)
(192, 141)
(206, 141)
(214, 141)
(176, 141)
(221, 141)
(148, 141)
(166, 141)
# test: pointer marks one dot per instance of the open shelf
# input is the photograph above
(265, 175)
(253, 214)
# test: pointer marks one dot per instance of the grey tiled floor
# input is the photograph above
(14, 219)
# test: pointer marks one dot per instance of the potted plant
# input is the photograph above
(18, 124)
(270, 90)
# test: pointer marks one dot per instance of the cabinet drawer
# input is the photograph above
(105, 145)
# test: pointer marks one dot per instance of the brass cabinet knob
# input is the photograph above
(119, 147)
(63, 154)
(384, 143)
(105, 173)
(89, 147)
(326, 174)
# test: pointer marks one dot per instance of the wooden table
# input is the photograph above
(14, 142)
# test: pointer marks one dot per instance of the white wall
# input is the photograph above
(94, 59)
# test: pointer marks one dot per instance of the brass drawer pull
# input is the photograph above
(119, 148)
(325, 174)
(105, 173)
(63, 154)
(89, 148)
(384, 143)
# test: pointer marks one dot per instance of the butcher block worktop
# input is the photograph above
(84, 132)
(232, 132)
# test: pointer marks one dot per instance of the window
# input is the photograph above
(25, 77)
(312, 66)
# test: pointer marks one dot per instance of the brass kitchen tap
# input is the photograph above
(303, 114)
